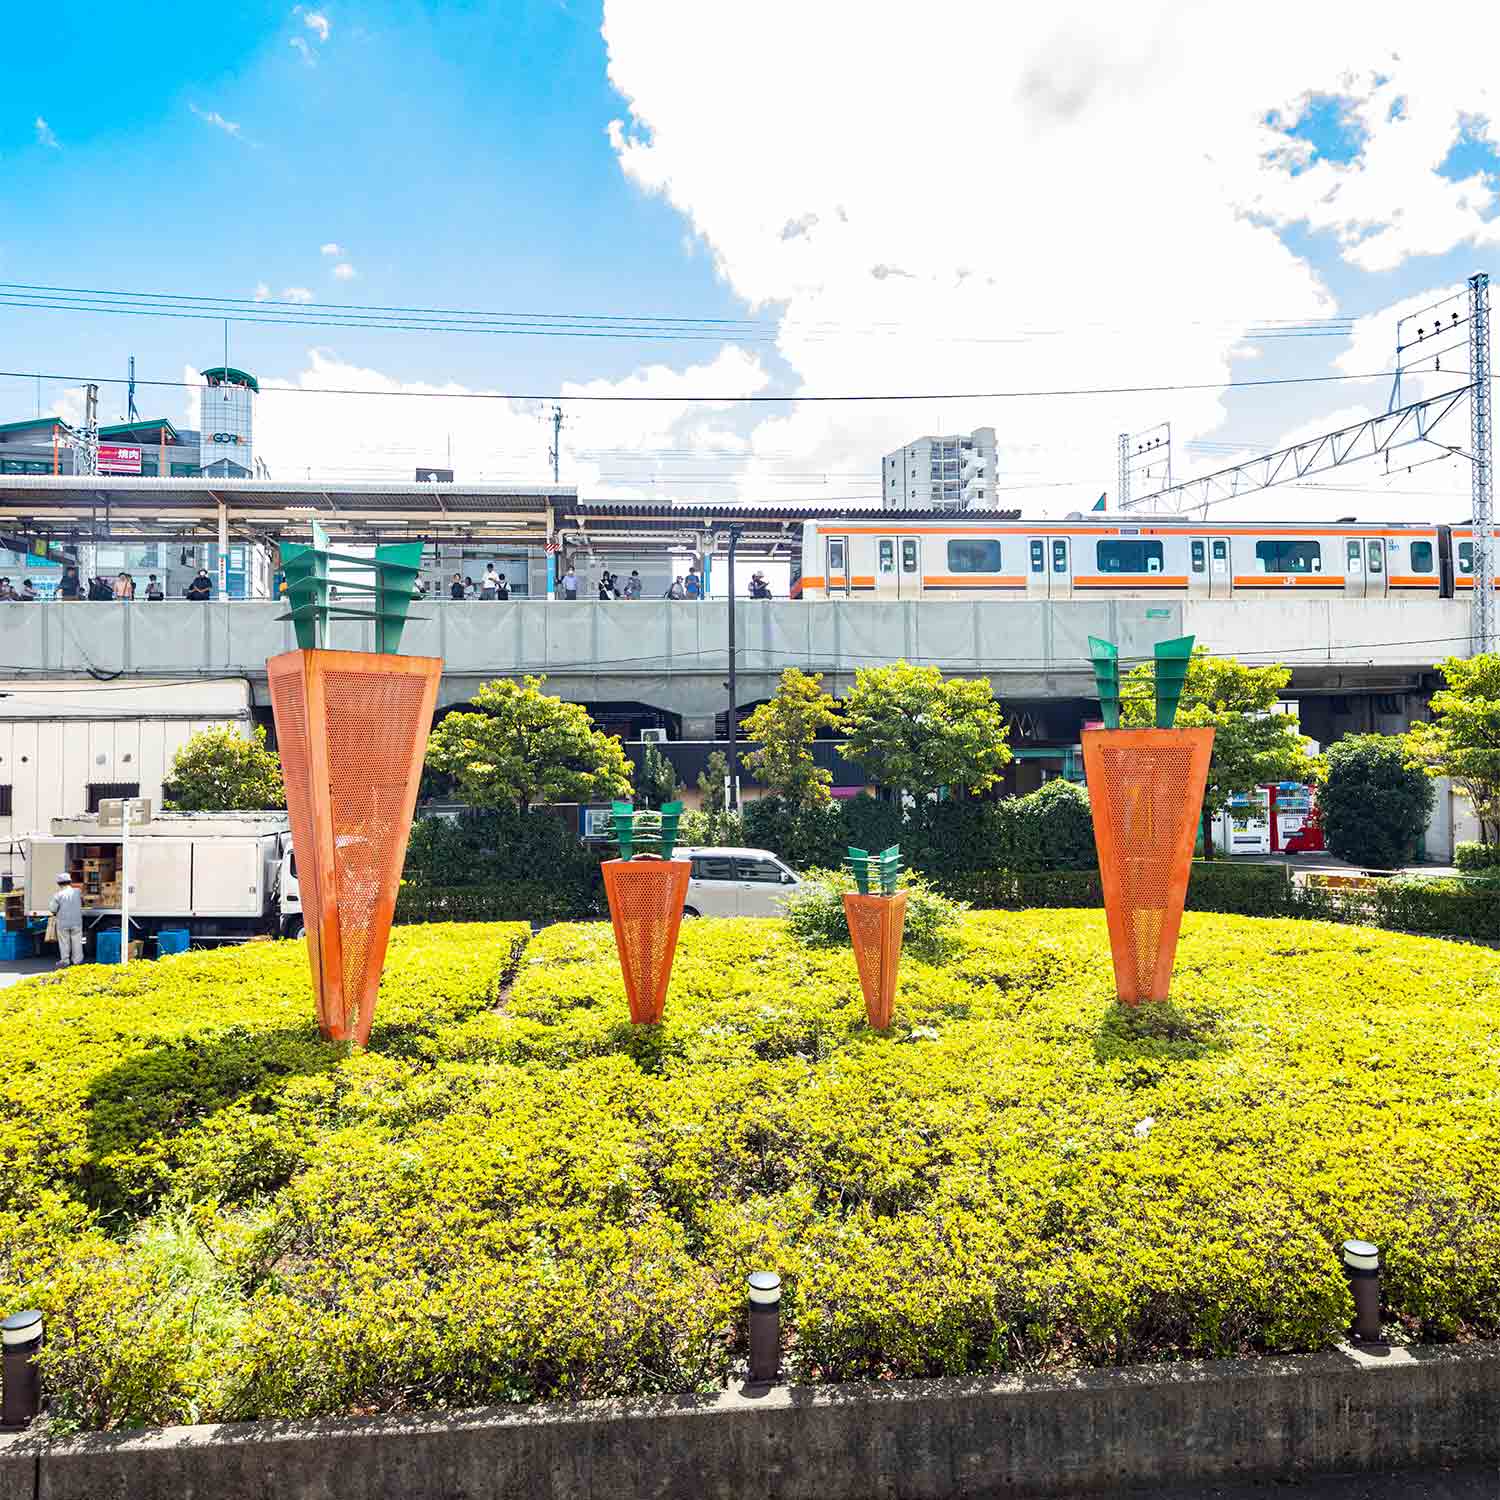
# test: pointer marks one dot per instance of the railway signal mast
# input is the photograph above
(1486, 635)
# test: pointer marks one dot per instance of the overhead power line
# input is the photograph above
(738, 400)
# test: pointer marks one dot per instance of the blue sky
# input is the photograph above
(1093, 207)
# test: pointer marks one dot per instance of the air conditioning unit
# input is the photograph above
(653, 736)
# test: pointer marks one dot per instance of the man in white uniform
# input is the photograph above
(67, 912)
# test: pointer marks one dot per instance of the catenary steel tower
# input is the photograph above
(1485, 635)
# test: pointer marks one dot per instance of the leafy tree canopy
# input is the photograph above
(657, 777)
(521, 746)
(219, 770)
(786, 728)
(1463, 741)
(915, 733)
(1374, 800)
(1253, 744)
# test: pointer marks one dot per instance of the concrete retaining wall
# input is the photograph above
(922, 1440)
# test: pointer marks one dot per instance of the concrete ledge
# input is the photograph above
(1108, 1430)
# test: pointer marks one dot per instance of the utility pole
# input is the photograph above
(1122, 498)
(131, 414)
(87, 444)
(1483, 628)
(555, 452)
(732, 801)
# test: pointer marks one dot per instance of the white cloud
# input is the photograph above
(299, 45)
(214, 118)
(262, 292)
(344, 271)
(331, 248)
(1092, 206)
(45, 135)
(297, 294)
(375, 433)
(316, 21)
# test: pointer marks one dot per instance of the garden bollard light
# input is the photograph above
(1362, 1267)
(21, 1336)
(765, 1327)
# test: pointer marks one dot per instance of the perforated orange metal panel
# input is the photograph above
(352, 729)
(646, 897)
(877, 925)
(1146, 793)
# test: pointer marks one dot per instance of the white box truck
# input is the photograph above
(224, 876)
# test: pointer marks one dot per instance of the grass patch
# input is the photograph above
(223, 1217)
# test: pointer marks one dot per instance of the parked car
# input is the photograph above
(736, 882)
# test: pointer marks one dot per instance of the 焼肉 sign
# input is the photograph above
(117, 460)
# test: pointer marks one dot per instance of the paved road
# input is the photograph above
(12, 971)
(1455, 1484)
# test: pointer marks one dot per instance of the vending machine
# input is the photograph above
(1245, 827)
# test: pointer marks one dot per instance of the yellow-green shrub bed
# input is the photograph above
(513, 1194)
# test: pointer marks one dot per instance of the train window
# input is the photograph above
(1200, 557)
(909, 554)
(1129, 557)
(1377, 557)
(1466, 557)
(1038, 558)
(980, 555)
(836, 555)
(1221, 555)
(1059, 557)
(1421, 557)
(1289, 557)
(887, 555)
(1355, 559)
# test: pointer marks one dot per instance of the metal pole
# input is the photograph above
(1362, 1267)
(732, 805)
(125, 881)
(223, 550)
(21, 1340)
(1483, 629)
(1123, 485)
(765, 1327)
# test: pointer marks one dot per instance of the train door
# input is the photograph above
(836, 570)
(887, 578)
(1208, 567)
(910, 583)
(1049, 567)
(1364, 567)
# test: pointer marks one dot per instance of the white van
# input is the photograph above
(736, 882)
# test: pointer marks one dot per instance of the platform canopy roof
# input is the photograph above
(75, 508)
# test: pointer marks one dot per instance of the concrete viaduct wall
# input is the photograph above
(673, 654)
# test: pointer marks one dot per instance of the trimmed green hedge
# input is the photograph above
(1477, 859)
(515, 1194)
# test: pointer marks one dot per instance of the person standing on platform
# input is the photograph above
(570, 583)
(489, 585)
(502, 590)
(66, 908)
(456, 588)
(633, 584)
(694, 585)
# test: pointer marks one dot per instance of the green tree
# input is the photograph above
(785, 729)
(219, 770)
(521, 746)
(1463, 741)
(711, 784)
(915, 733)
(657, 777)
(1374, 800)
(1253, 744)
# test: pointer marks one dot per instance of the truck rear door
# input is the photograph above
(227, 877)
(160, 877)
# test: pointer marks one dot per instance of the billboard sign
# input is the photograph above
(117, 460)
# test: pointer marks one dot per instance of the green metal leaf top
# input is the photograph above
(639, 831)
(875, 874)
(311, 571)
(1172, 660)
(1105, 656)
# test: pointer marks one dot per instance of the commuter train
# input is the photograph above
(912, 555)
